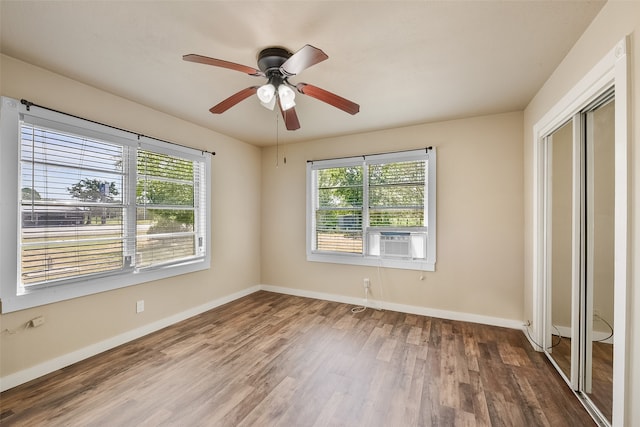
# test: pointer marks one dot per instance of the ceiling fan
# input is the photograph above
(277, 64)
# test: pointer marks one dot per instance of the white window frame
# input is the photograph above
(423, 264)
(15, 297)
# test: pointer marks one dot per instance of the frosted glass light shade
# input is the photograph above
(287, 97)
(266, 93)
(269, 105)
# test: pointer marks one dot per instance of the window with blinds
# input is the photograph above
(396, 194)
(168, 219)
(373, 210)
(338, 213)
(73, 218)
(98, 208)
(72, 211)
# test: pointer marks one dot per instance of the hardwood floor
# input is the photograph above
(271, 359)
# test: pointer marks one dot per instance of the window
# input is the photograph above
(72, 211)
(373, 210)
(167, 209)
(98, 208)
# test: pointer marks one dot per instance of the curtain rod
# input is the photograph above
(30, 104)
(364, 156)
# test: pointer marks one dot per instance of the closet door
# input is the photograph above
(579, 253)
(561, 265)
(599, 257)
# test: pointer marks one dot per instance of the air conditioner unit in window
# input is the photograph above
(395, 245)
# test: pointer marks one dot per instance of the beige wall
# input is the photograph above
(616, 20)
(479, 218)
(75, 324)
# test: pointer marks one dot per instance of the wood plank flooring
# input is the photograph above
(277, 360)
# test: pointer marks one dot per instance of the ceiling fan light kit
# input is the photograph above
(277, 64)
(286, 96)
(266, 93)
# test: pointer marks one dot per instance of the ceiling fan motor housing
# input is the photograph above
(270, 60)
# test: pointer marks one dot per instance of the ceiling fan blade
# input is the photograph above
(233, 100)
(290, 118)
(302, 59)
(224, 64)
(328, 97)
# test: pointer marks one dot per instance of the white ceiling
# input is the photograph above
(404, 62)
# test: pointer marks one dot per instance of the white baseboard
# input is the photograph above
(403, 308)
(60, 362)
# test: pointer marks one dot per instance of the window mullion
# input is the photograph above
(315, 200)
(199, 240)
(365, 207)
(129, 167)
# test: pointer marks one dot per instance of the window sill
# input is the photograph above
(29, 298)
(373, 261)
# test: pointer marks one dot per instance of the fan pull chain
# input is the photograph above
(284, 157)
(277, 141)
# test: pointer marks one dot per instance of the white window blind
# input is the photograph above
(338, 215)
(168, 196)
(72, 210)
(397, 194)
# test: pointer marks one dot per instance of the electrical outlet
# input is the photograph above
(140, 306)
(367, 283)
(36, 321)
